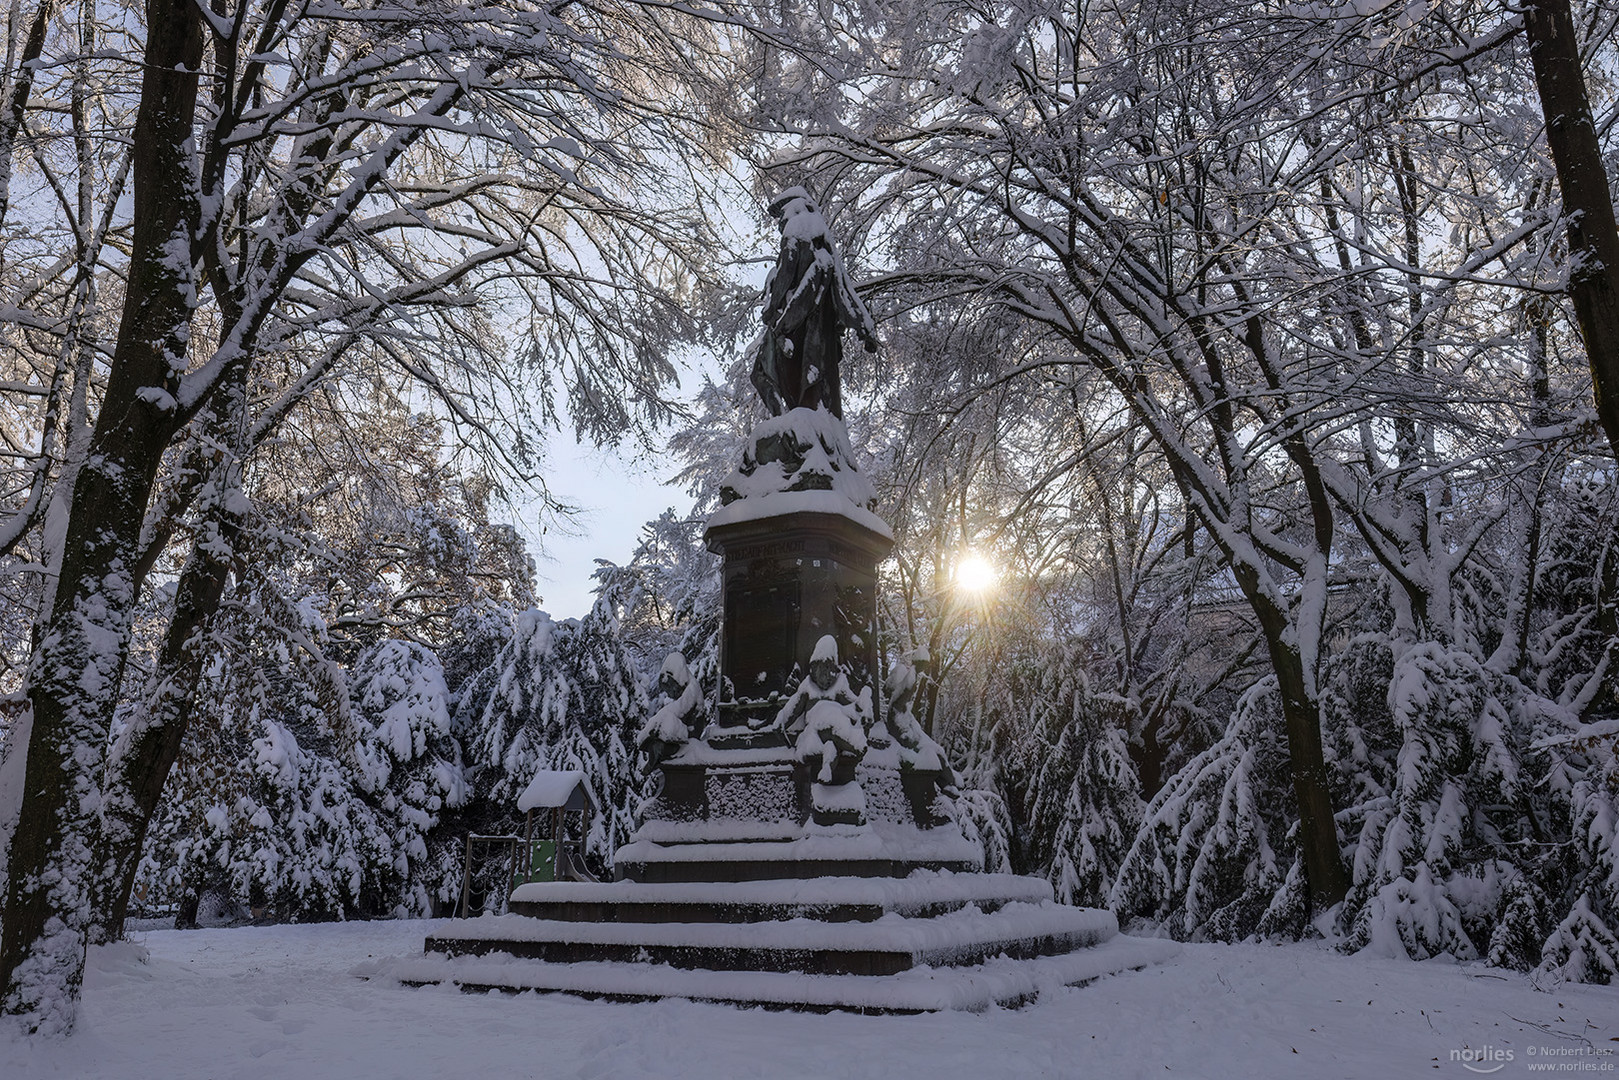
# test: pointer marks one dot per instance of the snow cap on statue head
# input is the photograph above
(823, 665)
(825, 649)
(778, 205)
(674, 675)
(674, 665)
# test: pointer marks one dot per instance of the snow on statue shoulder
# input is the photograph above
(808, 302)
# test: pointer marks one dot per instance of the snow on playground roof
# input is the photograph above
(552, 788)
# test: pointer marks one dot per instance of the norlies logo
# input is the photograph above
(1485, 1059)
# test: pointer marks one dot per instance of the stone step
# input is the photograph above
(999, 981)
(836, 899)
(880, 850)
(722, 869)
(896, 944)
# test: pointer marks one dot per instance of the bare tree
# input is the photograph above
(379, 173)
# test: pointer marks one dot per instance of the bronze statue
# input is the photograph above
(809, 301)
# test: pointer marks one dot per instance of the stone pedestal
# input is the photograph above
(787, 580)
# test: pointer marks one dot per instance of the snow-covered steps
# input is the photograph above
(998, 981)
(832, 899)
(882, 849)
(889, 945)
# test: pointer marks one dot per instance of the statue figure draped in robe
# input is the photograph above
(808, 302)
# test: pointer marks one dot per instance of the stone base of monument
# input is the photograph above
(828, 919)
(732, 892)
(929, 941)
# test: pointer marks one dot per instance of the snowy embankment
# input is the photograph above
(282, 1002)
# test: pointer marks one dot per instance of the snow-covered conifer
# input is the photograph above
(1087, 800)
(561, 696)
(982, 815)
(1456, 755)
(1582, 949)
(1209, 856)
(409, 763)
(1520, 930)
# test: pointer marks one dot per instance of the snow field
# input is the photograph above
(282, 1002)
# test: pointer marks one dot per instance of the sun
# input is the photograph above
(975, 574)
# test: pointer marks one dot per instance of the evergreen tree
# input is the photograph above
(1210, 855)
(264, 809)
(558, 696)
(409, 764)
(1101, 808)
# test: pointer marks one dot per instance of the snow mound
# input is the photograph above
(800, 461)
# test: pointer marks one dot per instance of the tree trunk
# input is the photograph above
(139, 765)
(1326, 879)
(1324, 871)
(15, 107)
(73, 682)
(1593, 237)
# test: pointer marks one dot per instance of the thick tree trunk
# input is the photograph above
(1593, 237)
(1318, 830)
(74, 679)
(139, 764)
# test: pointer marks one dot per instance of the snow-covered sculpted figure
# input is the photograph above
(679, 718)
(913, 746)
(809, 301)
(826, 719)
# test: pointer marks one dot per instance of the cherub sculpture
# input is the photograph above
(679, 719)
(917, 749)
(826, 719)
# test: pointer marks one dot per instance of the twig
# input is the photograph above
(1552, 1031)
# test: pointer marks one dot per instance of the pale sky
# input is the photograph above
(617, 496)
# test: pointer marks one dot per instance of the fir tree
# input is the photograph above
(1205, 863)
(559, 696)
(409, 764)
(1087, 787)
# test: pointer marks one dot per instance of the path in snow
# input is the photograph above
(280, 1002)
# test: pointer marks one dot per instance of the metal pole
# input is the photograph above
(466, 878)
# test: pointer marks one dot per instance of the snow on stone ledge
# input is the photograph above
(874, 840)
(935, 939)
(920, 889)
(998, 981)
(792, 502)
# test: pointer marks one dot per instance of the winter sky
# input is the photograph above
(616, 495)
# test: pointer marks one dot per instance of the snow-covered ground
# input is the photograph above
(282, 1002)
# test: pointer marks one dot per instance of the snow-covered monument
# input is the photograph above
(802, 849)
